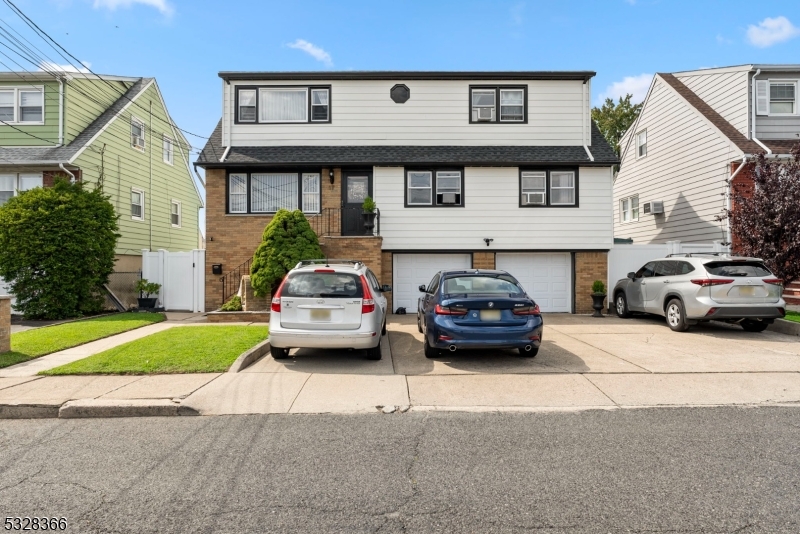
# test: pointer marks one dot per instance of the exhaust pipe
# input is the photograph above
(528, 348)
(452, 348)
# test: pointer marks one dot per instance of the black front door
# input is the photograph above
(356, 186)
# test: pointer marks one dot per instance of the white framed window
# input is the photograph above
(534, 188)
(11, 184)
(512, 105)
(783, 97)
(237, 193)
(562, 188)
(483, 105)
(175, 213)
(641, 144)
(498, 104)
(137, 204)
(137, 134)
(22, 105)
(448, 188)
(311, 193)
(629, 209)
(270, 192)
(247, 105)
(168, 150)
(283, 104)
(320, 108)
(420, 188)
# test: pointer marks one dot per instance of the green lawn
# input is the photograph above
(183, 349)
(792, 316)
(40, 341)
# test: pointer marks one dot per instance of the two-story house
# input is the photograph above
(113, 130)
(482, 170)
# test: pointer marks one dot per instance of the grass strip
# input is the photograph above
(792, 316)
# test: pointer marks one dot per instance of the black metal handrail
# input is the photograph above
(334, 221)
(232, 280)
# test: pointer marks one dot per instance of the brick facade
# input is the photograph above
(387, 277)
(250, 302)
(483, 260)
(589, 266)
(364, 248)
(742, 185)
(5, 324)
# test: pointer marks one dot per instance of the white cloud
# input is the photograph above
(721, 39)
(516, 13)
(634, 85)
(50, 67)
(771, 31)
(162, 5)
(312, 50)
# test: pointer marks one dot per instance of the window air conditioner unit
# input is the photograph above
(485, 114)
(137, 141)
(534, 198)
(654, 207)
(448, 198)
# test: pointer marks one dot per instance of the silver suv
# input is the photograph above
(328, 304)
(689, 288)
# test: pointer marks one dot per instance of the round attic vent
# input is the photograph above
(400, 93)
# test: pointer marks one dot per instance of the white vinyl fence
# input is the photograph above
(623, 259)
(4, 290)
(181, 275)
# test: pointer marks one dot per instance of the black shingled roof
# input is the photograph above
(391, 155)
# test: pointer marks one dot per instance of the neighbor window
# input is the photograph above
(137, 133)
(18, 105)
(435, 188)
(137, 204)
(168, 150)
(550, 188)
(175, 213)
(629, 209)
(641, 144)
(484, 103)
(268, 192)
(247, 105)
(782, 98)
(13, 183)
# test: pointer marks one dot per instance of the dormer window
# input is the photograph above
(282, 104)
(484, 102)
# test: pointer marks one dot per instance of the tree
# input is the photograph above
(613, 120)
(57, 249)
(765, 216)
(287, 239)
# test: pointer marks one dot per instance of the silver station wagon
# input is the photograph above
(690, 288)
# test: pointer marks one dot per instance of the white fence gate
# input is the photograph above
(623, 259)
(181, 275)
(4, 290)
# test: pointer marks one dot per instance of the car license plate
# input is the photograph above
(490, 315)
(320, 315)
(747, 291)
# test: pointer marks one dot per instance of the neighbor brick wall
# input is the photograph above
(743, 186)
(48, 177)
(483, 260)
(5, 324)
(589, 266)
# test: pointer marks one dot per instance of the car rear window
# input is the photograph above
(737, 268)
(323, 285)
(477, 284)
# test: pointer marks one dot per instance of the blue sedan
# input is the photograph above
(478, 309)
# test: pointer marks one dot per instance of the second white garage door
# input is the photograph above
(412, 270)
(547, 277)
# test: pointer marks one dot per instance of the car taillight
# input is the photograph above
(276, 298)
(528, 310)
(367, 303)
(705, 282)
(445, 310)
(324, 271)
(774, 281)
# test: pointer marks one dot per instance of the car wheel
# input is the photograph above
(621, 306)
(419, 323)
(374, 353)
(750, 325)
(278, 353)
(430, 352)
(530, 353)
(676, 317)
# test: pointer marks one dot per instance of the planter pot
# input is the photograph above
(369, 221)
(147, 304)
(597, 303)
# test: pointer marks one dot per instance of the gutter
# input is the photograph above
(754, 104)
(728, 201)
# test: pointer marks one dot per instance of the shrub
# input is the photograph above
(287, 239)
(598, 286)
(369, 205)
(234, 304)
(57, 249)
(147, 287)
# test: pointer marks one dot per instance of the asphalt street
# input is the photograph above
(650, 470)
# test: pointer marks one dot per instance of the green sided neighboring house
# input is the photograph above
(113, 129)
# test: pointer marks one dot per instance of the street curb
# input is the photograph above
(783, 326)
(250, 357)
(28, 411)
(84, 408)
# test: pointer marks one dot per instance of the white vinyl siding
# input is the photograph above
(237, 193)
(492, 211)
(436, 114)
(726, 91)
(270, 192)
(283, 105)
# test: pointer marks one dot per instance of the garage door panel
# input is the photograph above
(545, 276)
(413, 270)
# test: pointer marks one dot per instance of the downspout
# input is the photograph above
(584, 105)
(728, 199)
(225, 154)
(60, 112)
(755, 104)
(72, 178)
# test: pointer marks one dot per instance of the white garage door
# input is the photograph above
(412, 270)
(546, 277)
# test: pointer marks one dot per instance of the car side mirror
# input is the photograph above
(423, 288)
(632, 276)
(386, 288)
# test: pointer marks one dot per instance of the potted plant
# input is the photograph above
(147, 288)
(598, 296)
(368, 213)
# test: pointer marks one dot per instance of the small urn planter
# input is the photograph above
(597, 304)
(368, 214)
